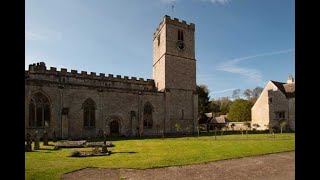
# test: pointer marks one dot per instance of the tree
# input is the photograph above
(203, 99)
(256, 126)
(240, 110)
(178, 127)
(214, 105)
(247, 93)
(236, 94)
(225, 103)
(232, 126)
(257, 91)
(253, 95)
(282, 123)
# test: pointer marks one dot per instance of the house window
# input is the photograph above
(39, 111)
(180, 35)
(280, 115)
(89, 115)
(270, 100)
(147, 115)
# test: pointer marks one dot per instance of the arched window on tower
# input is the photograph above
(39, 111)
(180, 35)
(147, 115)
(89, 115)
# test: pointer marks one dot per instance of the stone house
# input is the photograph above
(216, 122)
(80, 105)
(276, 102)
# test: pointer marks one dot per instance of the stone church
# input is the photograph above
(81, 105)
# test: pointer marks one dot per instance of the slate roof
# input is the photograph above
(220, 119)
(287, 89)
(213, 119)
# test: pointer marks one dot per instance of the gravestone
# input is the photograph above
(36, 141)
(104, 146)
(45, 138)
(28, 147)
(54, 136)
(71, 144)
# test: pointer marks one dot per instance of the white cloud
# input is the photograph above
(31, 36)
(210, 1)
(43, 35)
(252, 74)
(225, 90)
(217, 1)
(168, 1)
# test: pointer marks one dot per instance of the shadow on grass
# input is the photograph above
(129, 152)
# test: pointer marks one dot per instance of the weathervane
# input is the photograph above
(172, 7)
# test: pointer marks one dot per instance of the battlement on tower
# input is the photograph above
(175, 21)
(73, 76)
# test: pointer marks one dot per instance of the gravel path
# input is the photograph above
(278, 166)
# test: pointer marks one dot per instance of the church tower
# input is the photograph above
(174, 63)
(174, 72)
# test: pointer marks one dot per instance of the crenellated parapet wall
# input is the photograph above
(175, 21)
(39, 71)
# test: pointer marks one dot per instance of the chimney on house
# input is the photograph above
(290, 79)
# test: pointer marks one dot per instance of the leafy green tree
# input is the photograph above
(203, 99)
(225, 103)
(240, 110)
(214, 105)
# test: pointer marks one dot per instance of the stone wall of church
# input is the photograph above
(182, 111)
(124, 107)
(116, 99)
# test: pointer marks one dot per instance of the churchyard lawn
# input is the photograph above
(47, 163)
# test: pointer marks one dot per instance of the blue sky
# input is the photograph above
(240, 44)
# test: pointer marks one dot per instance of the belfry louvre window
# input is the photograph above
(147, 115)
(89, 114)
(180, 35)
(39, 111)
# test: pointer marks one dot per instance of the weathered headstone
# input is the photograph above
(54, 136)
(28, 147)
(71, 144)
(36, 141)
(104, 146)
(45, 138)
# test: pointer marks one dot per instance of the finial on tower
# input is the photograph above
(290, 79)
(172, 8)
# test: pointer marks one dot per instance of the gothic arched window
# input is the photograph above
(89, 115)
(147, 115)
(39, 111)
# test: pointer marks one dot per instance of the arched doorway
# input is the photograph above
(114, 127)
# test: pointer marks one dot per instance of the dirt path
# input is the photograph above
(279, 166)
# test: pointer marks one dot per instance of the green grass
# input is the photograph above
(151, 153)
